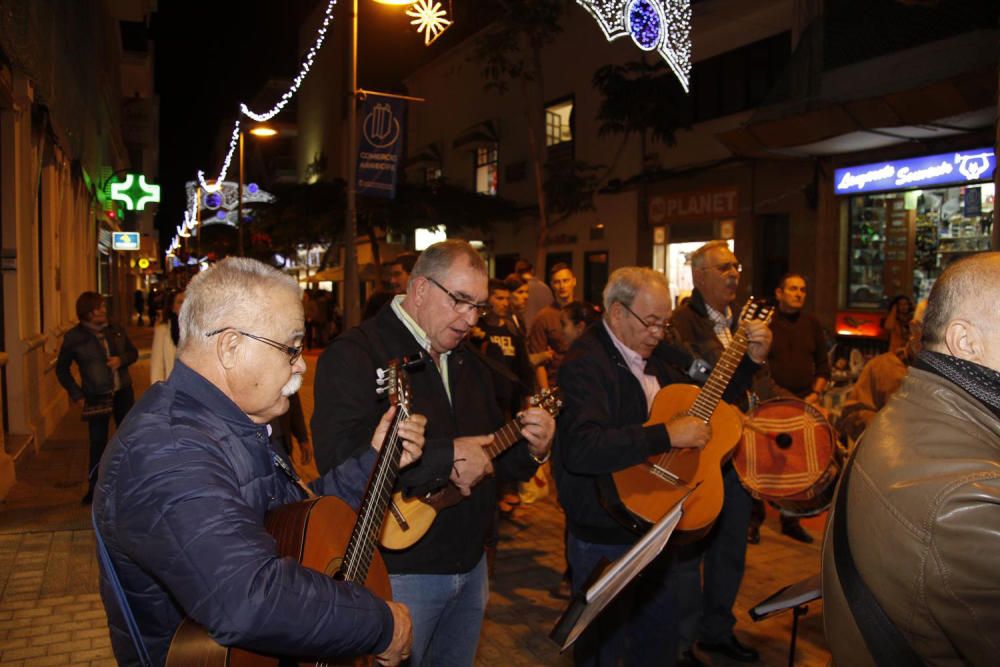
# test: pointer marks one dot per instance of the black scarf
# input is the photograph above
(175, 329)
(980, 382)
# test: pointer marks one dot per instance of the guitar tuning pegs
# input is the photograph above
(381, 390)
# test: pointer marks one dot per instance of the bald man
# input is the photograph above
(922, 509)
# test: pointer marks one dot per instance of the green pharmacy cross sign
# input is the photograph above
(135, 192)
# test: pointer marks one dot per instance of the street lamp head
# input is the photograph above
(263, 131)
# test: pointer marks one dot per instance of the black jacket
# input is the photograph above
(81, 345)
(601, 429)
(348, 409)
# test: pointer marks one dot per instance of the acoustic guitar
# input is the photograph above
(410, 518)
(315, 533)
(654, 487)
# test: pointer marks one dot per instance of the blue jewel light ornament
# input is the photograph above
(645, 24)
(663, 26)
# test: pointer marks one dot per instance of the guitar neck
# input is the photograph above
(710, 394)
(371, 514)
(504, 439)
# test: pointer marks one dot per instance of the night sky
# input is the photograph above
(212, 54)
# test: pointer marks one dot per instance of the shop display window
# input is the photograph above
(901, 241)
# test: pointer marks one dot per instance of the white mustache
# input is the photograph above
(292, 386)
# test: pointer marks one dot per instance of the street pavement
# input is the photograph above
(51, 612)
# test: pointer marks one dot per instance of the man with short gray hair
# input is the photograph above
(442, 577)
(187, 481)
(705, 325)
(919, 526)
(609, 379)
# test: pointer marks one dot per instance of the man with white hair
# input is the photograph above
(706, 325)
(186, 483)
(442, 578)
(910, 570)
(608, 380)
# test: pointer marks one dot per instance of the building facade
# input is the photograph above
(65, 129)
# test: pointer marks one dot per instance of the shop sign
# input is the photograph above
(125, 240)
(707, 204)
(942, 169)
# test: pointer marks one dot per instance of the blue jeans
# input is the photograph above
(447, 612)
(639, 626)
(706, 611)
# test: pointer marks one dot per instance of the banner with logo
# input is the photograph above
(380, 145)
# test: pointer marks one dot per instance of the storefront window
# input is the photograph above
(901, 241)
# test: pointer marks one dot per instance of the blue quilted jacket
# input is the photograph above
(183, 490)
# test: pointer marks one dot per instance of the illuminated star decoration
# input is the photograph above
(663, 26)
(430, 18)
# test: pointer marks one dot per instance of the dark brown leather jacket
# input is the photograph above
(924, 527)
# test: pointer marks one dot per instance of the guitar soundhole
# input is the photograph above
(333, 567)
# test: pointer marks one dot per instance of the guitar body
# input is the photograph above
(409, 520)
(649, 496)
(315, 532)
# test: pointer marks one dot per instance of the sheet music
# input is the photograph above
(621, 572)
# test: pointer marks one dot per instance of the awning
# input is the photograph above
(429, 154)
(477, 135)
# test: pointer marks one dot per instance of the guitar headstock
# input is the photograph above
(394, 381)
(756, 309)
(549, 400)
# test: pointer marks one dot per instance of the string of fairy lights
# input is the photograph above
(191, 213)
(663, 26)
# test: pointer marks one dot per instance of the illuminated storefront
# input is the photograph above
(908, 219)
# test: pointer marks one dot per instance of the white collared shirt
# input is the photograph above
(637, 366)
(421, 338)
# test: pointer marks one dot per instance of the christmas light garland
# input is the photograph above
(307, 62)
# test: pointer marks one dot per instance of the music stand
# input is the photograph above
(792, 597)
(608, 579)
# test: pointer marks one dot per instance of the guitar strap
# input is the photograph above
(116, 586)
(886, 644)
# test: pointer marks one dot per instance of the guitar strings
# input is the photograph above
(360, 549)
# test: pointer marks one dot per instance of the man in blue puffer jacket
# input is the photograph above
(185, 485)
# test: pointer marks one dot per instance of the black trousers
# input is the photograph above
(98, 428)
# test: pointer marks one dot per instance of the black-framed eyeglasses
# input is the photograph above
(294, 352)
(656, 327)
(461, 305)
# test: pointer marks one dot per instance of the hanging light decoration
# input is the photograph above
(663, 26)
(430, 18)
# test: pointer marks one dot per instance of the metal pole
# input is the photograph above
(239, 200)
(352, 305)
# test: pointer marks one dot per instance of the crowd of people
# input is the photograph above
(187, 481)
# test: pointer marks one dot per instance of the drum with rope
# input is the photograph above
(789, 456)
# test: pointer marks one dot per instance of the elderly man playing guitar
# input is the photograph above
(186, 483)
(609, 379)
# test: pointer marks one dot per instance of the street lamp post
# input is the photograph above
(239, 200)
(257, 131)
(352, 302)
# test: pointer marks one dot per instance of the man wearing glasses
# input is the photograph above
(609, 379)
(187, 481)
(442, 578)
(705, 325)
